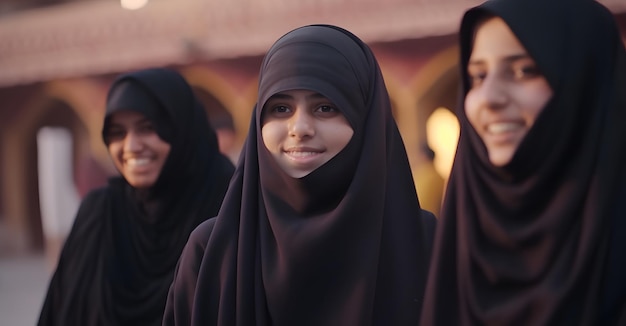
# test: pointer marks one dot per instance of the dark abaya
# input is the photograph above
(118, 262)
(345, 245)
(541, 240)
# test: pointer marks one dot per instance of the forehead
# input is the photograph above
(493, 37)
(127, 117)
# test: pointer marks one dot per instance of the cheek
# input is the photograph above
(157, 144)
(164, 150)
(338, 134)
(114, 150)
(270, 133)
(472, 109)
(535, 100)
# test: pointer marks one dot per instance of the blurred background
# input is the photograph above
(58, 58)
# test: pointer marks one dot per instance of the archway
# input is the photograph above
(221, 121)
(436, 87)
(70, 105)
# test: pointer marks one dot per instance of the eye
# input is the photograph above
(115, 134)
(327, 108)
(476, 76)
(476, 80)
(525, 70)
(273, 110)
(277, 111)
(280, 109)
(146, 128)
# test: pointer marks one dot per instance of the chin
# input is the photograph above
(141, 184)
(500, 159)
(298, 174)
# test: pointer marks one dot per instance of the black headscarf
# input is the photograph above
(537, 241)
(345, 245)
(119, 259)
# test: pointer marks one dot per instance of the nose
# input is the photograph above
(301, 124)
(493, 92)
(132, 142)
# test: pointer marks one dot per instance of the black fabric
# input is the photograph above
(118, 262)
(131, 95)
(536, 241)
(346, 244)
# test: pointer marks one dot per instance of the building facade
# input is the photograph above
(58, 58)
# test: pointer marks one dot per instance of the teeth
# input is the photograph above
(502, 127)
(301, 154)
(137, 161)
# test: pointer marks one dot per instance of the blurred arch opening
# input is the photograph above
(442, 129)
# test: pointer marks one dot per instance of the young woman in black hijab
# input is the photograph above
(533, 226)
(119, 259)
(321, 224)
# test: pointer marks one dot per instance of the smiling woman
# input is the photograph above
(533, 225)
(321, 224)
(118, 261)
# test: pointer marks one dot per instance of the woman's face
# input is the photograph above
(303, 130)
(136, 149)
(507, 90)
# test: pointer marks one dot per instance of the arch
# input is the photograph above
(221, 121)
(218, 115)
(69, 104)
(434, 86)
(238, 103)
(87, 97)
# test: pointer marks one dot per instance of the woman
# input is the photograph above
(534, 218)
(119, 259)
(322, 224)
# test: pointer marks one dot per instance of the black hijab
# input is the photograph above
(535, 242)
(119, 259)
(344, 245)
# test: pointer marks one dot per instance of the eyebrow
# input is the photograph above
(510, 58)
(284, 96)
(140, 121)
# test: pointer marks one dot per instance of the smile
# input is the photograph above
(301, 154)
(503, 127)
(137, 162)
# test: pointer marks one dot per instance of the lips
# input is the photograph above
(302, 149)
(302, 154)
(137, 162)
(503, 127)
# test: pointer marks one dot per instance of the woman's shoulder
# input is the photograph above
(93, 207)
(182, 293)
(101, 194)
(93, 200)
(200, 235)
(96, 195)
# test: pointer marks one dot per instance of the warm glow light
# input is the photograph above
(133, 4)
(442, 129)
